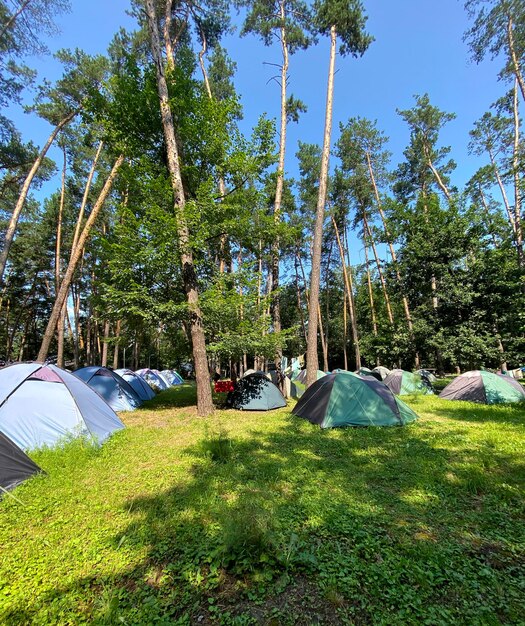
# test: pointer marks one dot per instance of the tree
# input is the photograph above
(346, 21)
(288, 22)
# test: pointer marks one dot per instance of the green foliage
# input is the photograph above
(349, 20)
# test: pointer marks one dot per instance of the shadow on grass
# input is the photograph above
(469, 411)
(302, 526)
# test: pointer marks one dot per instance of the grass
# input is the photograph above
(262, 518)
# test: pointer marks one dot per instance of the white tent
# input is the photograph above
(42, 404)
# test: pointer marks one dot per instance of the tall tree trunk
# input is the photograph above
(104, 360)
(275, 297)
(350, 297)
(319, 318)
(312, 363)
(517, 179)
(345, 331)
(115, 352)
(74, 260)
(370, 292)
(388, 236)
(514, 57)
(58, 268)
(10, 233)
(189, 277)
(379, 269)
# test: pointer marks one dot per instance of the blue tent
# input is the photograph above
(141, 387)
(117, 392)
(173, 377)
(43, 404)
(153, 378)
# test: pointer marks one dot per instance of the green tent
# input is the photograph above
(298, 384)
(255, 393)
(484, 387)
(403, 383)
(346, 399)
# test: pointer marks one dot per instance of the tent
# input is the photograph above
(141, 387)
(403, 383)
(346, 399)
(116, 391)
(382, 371)
(42, 404)
(153, 379)
(427, 375)
(15, 465)
(249, 372)
(484, 387)
(364, 371)
(255, 393)
(173, 377)
(298, 385)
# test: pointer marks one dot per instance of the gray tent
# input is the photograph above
(484, 387)
(116, 391)
(255, 393)
(15, 465)
(41, 405)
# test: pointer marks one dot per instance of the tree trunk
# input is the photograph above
(275, 298)
(312, 362)
(104, 360)
(10, 233)
(406, 306)
(516, 177)
(115, 352)
(345, 331)
(350, 297)
(370, 292)
(515, 62)
(74, 260)
(379, 270)
(58, 268)
(189, 277)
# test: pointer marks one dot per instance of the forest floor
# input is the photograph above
(262, 518)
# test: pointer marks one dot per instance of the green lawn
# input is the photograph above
(262, 518)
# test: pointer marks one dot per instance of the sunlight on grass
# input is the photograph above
(240, 516)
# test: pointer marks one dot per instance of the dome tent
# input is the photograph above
(403, 383)
(15, 465)
(173, 377)
(298, 385)
(141, 387)
(346, 399)
(484, 387)
(382, 371)
(365, 371)
(41, 404)
(116, 391)
(255, 393)
(153, 378)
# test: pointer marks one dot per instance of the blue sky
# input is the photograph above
(418, 48)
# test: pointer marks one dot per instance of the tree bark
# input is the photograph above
(516, 178)
(10, 233)
(104, 360)
(370, 292)
(379, 270)
(189, 277)
(312, 362)
(350, 297)
(74, 260)
(513, 56)
(115, 352)
(58, 268)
